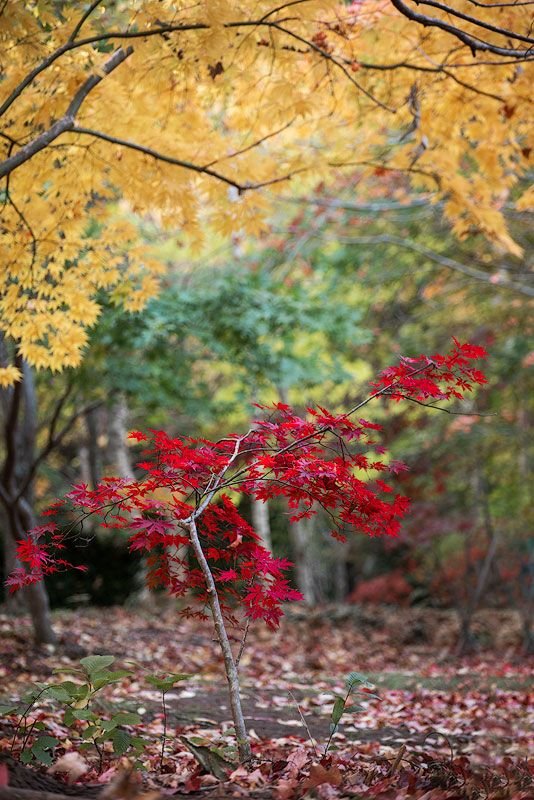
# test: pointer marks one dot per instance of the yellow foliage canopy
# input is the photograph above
(202, 113)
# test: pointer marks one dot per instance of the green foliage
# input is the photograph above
(89, 726)
(169, 682)
(355, 683)
(210, 342)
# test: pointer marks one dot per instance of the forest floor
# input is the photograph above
(441, 727)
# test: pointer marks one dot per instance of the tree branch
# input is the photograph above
(478, 22)
(160, 30)
(66, 122)
(474, 43)
(334, 61)
(230, 666)
(83, 19)
(441, 68)
(54, 439)
(178, 162)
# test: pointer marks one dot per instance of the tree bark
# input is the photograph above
(230, 666)
(16, 489)
(341, 578)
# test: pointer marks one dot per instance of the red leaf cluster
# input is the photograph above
(322, 461)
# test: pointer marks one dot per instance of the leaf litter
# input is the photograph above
(433, 726)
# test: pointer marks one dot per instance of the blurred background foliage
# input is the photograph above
(307, 314)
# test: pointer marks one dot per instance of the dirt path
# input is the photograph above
(271, 714)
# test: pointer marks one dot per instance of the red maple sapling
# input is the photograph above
(189, 491)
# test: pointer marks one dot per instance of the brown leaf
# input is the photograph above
(319, 774)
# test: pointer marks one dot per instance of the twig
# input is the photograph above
(243, 642)
(306, 726)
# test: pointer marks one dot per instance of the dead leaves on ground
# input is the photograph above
(443, 729)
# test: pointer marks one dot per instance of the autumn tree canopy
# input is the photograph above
(202, 114)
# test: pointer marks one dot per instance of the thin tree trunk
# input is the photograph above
(118, 454)
(93, 450)
(260, 513)
(341, 577)
(466, 643)
(525, 593)
(13, 601)
(118, 458)
(526, 602)
(230, 666)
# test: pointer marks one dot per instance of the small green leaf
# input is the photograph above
(68, 671)
(26, 756)
(6, 710)
(338, 709)
(94, 664)
(356, 679)
(127, 718)
(109, 725)
(83, 713)
(81, 700)
(68, 717)
(40, 749)
(91, 732)
(164, 684)
(121, 741)
(59, 693)
(105, 678)
(138, 743)
(73, 689)
(46, 741)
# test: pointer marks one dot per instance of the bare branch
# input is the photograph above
(83, 18)
(474, 43)
(440, 69)
(514, 4)
(250, 146)
(282, 8)
(439, 258)
(478, 22)
(54, 439)
(441, 408)
(334, 61)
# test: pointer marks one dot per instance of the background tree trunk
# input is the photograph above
(261, 522)
(16, 490)
(467, 610)
(300, 536)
